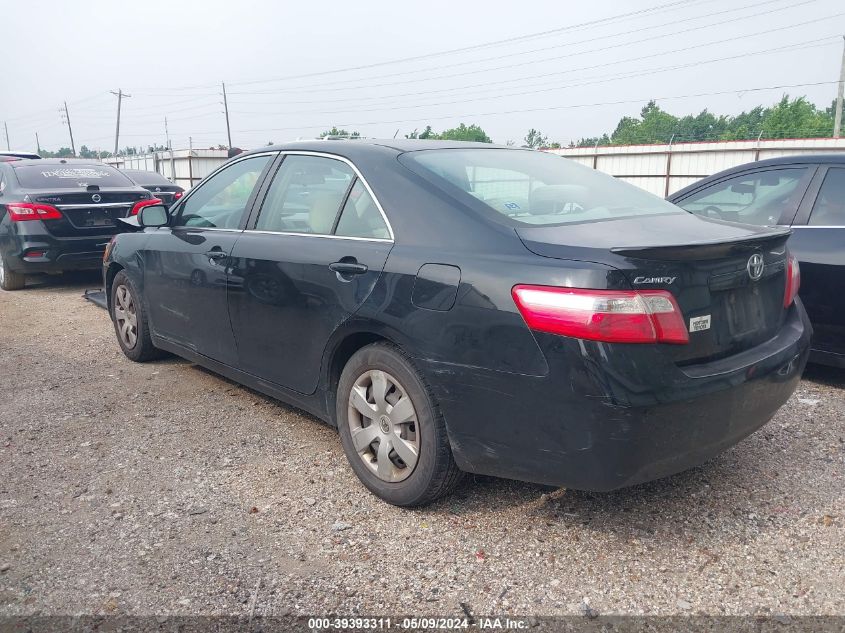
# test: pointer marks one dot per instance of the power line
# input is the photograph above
(592, 23)
(467, 115)
(587, 82)
(359, 86)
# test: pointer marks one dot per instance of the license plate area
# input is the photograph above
(94, 217)
(744, 310)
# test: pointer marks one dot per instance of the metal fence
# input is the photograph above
(664, 169)
(184, 167)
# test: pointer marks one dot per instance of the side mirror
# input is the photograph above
(154, 215)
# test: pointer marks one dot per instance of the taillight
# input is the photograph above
(23, 211)
(144, 203)
(613, 316)
(177, 195)
(793, 281)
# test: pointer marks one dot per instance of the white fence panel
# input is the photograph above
(664, 169)
(183, 167)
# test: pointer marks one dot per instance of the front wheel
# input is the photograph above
(391, 429)
(130, 321)
(10, 280)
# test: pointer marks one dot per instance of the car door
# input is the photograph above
(312, 254)
(765, 196)
(185, 264)
(818, 241)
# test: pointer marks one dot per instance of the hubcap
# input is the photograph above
(383, 425)
(2, 272)
(125, 317)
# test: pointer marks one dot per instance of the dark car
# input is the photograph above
(464, 307)
(59, 214)
(157, 184)
(807, 194)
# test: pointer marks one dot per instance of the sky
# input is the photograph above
(385, 68)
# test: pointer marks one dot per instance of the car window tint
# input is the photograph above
(360, 216)
(829, 208)
(532, 188)
(305, 195)
(221, 200)
(757, 198)
(70, 175)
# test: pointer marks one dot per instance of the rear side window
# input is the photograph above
(829, 209)
(305, 196)
(53, 176)
(533, 188)
(361, 217)
(756, 198)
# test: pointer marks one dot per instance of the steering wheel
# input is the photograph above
(713, 212)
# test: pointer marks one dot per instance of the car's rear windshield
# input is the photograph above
(148, 178)
(534, 188)
(51, 176)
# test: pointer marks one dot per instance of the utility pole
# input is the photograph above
(166, 133)
(837, 117)
(119, 94)
(6, 127)
(226, 108)
(69, 129)
(37, 143)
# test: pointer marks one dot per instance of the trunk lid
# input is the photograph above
(711, 268)
(92, 212)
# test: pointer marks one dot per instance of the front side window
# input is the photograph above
(829, 209)
(221, 200)
(533, 188)
(305, 195)
(757, 198)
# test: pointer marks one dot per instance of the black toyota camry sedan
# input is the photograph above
(806, 193)
(59, 214)
(455, 307)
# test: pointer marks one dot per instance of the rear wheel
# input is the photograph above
(10, 280)
(392, 431)
(130, 321)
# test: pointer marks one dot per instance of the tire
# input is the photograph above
(382, 377)
(124, 307)
(10, 280)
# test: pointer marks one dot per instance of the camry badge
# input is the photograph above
(755, 266)
(96, 197)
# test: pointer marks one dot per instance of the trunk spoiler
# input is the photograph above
(708, 249)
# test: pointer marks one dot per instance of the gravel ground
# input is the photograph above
(162, 488)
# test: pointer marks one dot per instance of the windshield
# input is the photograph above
(535, 188)
(52, 176)
(147, 177)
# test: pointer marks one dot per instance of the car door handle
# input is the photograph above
(216, 254)
(348, 268)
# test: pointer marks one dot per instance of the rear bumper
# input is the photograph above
(610, 416)
(60, 253)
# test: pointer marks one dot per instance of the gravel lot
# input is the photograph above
(162, 488)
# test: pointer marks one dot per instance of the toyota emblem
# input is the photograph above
(96, 197)
(755, 266)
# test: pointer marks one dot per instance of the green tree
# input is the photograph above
(426, 133)
(336, 132)
(796, 118)
(465, 132)
(535, 139)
